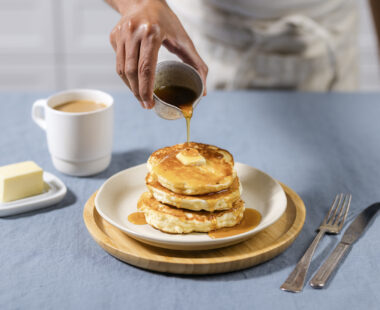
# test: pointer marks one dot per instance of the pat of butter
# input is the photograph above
(20, 180)
(191, 157)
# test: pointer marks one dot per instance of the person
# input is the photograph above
(297, 44)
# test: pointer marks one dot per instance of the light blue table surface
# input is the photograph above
(318, 144)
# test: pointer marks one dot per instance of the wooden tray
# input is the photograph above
(261, 247)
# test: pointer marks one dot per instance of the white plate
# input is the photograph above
(118, 196)
(54, 191)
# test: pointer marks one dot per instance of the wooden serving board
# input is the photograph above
(263, 246)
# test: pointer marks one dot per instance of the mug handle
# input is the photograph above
(38, 113)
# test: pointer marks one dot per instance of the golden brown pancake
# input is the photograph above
(215, 174)
(222, 200)
(174, 220)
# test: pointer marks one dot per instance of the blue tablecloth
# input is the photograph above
(318, 144)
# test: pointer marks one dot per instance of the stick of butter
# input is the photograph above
(20, 180)
(191, 157)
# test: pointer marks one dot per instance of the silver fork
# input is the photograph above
(332, 223)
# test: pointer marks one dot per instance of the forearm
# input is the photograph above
(120, 5)
(123, 6)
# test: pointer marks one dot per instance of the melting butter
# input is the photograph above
(191, 157)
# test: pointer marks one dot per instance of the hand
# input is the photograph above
(145, 26)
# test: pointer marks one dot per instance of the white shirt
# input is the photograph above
(303, 44)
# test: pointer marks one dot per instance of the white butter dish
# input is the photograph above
(54, 191)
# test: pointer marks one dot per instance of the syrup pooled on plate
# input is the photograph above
(250, 220)
(181, 97)
(137, 218)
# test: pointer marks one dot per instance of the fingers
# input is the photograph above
(120, 59)
(149, 48)
(124, 69)
(118, 46)
(113, 35)
(120, 68)
(132, 50)
(126, 60)
(136, 59)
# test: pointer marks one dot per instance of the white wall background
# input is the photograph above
(58, 44)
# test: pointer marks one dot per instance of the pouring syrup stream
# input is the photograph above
(181, 97)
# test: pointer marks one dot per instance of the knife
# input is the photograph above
(352, 233)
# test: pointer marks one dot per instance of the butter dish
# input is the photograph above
(54, 191)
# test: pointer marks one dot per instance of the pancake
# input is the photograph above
(215, 174)
(222, 200)
(178, 221)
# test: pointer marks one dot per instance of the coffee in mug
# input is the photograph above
(79, 106)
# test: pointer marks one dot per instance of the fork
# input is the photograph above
(332, 224)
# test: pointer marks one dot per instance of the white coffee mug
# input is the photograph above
(80, 144)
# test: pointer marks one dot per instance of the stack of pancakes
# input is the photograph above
(193, 187)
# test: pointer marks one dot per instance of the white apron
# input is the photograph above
(307, 45)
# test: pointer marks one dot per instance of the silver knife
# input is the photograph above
(353, 232)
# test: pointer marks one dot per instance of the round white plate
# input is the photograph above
(118, 196)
